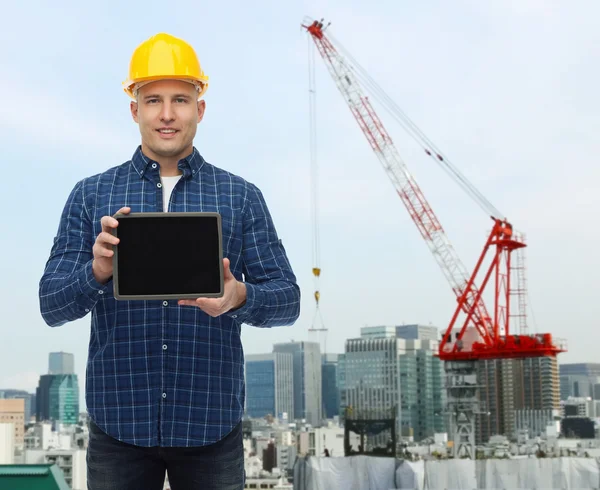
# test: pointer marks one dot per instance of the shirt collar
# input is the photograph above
(189, 165)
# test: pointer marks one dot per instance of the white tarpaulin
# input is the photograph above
(450, 474)
(539, 474)
(371, 473)
(351, 473)
(410, 475)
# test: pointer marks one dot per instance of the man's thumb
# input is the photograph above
(226, 270)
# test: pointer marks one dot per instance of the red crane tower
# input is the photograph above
(478, 334)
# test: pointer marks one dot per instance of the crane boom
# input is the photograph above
(492, 332)
(407, 188)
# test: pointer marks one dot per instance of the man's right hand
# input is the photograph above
(102, 265)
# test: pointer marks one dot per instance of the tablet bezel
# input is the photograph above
(143, 215)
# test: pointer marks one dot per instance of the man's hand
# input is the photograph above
(102, 266)
(234, 295)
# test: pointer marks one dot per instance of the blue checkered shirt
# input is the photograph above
(160, 374)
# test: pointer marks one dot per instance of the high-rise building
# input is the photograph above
(415, 331)
(28, 398)
(270, 385)
(377, 332)
(307, 379)
(13, 411)
(341, 381)
(329, 386)
(510, 385)
(57, 398)
(580, 369)
(382, 371)
(61, 363)
(579, 380)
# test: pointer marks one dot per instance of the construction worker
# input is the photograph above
(165, 380)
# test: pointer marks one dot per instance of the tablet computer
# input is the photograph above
(168, 256)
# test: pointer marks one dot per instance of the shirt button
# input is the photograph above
(164, 395)
(100, 292)
(154, 165)
(233, 316)
(87, 310)
(165, 303)
(159, 185)
(164, 346)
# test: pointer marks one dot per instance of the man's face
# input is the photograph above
(168, 113)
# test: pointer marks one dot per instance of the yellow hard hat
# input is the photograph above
(164, 57)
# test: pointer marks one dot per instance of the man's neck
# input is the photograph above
(169, 166)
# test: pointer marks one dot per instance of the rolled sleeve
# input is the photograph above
(254, 301)
(89, 288)
(68, 289)
(272, 294)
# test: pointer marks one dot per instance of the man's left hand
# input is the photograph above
(234, 295)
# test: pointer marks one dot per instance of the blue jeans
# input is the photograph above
(115, 465)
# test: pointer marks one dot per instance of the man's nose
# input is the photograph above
(166, 113)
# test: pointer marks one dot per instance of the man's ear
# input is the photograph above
(201, 109)
(134, 110)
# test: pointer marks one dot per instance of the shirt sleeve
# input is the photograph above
(272, 293)
(68, 290)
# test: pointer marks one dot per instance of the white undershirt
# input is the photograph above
(168, 184)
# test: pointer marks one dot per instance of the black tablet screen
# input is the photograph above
(168, 255)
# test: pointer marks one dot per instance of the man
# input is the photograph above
(165, 380)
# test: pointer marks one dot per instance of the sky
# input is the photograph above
(507, 89)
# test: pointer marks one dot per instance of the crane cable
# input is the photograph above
(426, 144)
(433, 152)
(316, 255)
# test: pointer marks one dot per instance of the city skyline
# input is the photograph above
(511, 102)
(376, 329)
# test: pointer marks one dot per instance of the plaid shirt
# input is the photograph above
(160, 374)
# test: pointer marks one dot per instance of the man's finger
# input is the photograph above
(109, 238)
(103, 252)
(226, 270)
(207, 302)
(108, 222)
(187, 302)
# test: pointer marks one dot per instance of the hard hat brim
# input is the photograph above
(129, 85)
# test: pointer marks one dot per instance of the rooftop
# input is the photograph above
(32, 477)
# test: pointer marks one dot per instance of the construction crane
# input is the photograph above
(478, 334)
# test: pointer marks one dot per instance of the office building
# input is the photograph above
(61, 363)
(415, 331)
(378, 332)
(382, 371)
(57, 398)
(12, 411)
(270, 385)
(28, 398)
(307, 379)
(580, 369)
(580, 380)
(578, 407)
(330, 390)
(510, 385)
(340, 377)
(411, 331)
(7, 443)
